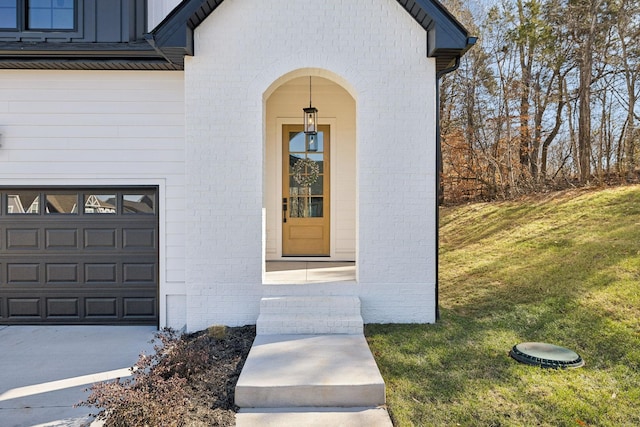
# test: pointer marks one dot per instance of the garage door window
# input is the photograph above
(100, 204)
(138, 203)
(23, 202)
(61, 203)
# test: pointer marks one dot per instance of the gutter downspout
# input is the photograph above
(471, 41)
(439, 172)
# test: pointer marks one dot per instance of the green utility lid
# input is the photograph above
(546, 355)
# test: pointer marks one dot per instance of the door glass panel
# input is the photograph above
(100, 204)
(318, 158)
(61, 203)
(23, 202)
(296, 142)
(297, 207)
(316, 206)
(316, 187)
(306, 207)
(293, 159)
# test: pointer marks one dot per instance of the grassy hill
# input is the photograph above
(562, 269)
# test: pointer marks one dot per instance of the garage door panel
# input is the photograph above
(139, 273)
(139, 307)
(21, 239)
(23, 307)
(100, 238)
(65, 265)
(23, 273)
(100, 273)
(61, 273)
(63, 308)
(63, 239)
(139, 238)
(101, 307)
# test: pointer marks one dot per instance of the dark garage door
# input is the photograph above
(78, 256)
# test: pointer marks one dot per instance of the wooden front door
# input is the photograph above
(305, 192)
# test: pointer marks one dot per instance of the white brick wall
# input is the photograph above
(380, 55)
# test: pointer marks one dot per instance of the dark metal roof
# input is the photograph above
(165, 47)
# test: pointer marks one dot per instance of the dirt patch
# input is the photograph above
(211, 390)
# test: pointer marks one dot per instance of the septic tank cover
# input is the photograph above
(546, 355)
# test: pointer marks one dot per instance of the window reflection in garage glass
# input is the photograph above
(139, 203)
(51, 14)
(61, 203)
(8, 14)
(100, 204)
(23, 202)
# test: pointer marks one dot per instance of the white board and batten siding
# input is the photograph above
(103, 128)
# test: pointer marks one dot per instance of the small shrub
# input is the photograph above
(217, 331)
(157, 393)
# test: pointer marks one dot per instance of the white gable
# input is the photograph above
(244, 49)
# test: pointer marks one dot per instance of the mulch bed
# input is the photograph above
(190, 381)
(211, 391)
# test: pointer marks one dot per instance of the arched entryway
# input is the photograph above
(306, 220)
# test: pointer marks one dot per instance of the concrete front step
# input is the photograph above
(310, 371)
(314, 417)
(281, 315)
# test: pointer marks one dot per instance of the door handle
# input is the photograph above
(284, 209)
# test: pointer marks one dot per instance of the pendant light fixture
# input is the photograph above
(310, 116)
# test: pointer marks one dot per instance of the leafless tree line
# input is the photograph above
(548, 97)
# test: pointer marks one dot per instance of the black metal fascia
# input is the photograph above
(447, 38)
(173, 37)
(44, 55)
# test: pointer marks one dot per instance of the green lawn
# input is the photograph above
(562, 269)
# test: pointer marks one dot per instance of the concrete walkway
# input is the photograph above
(45, 369)
(311, 380)
(310, 365)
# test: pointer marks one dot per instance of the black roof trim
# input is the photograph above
(174, 35)
(166, 46)
(447, 39)
(82, 56)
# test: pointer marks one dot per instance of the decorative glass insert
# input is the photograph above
(51, 14)
(8, 14)
(23, 202)
(306, 176)
(60, 203)
(138, 203)
(100, 204)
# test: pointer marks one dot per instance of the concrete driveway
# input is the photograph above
(44, 370)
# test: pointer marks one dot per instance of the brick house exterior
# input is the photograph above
(194, 110)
